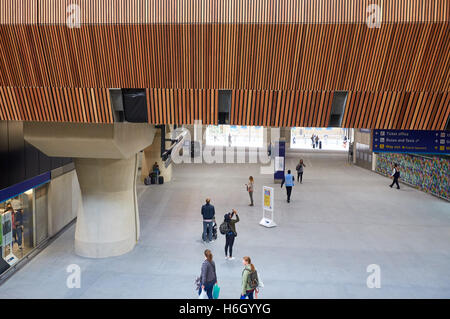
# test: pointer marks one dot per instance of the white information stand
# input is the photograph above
(268, 199)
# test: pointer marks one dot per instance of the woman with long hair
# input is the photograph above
(231, 235)
(208, 277)
(249, 278)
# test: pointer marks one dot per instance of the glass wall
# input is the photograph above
(232, 135)
(319, 138)
(21, 221)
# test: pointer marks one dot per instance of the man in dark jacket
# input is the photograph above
(208, 214)
(395, 175)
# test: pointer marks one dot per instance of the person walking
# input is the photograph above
(313, 141)
(231, 235)
(249, 279)
(250, 189)
(317, 141)
(299, 169)
(208, 214)
(208, 277)
(395, 175)
(289, 181)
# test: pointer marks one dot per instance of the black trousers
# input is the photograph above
(299, 176)
(289, 191)
(229, 241)
(395, 181)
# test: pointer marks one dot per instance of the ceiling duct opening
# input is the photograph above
(117, 105)
(338, 108)
(224, 106)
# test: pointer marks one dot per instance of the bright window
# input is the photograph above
(327, 138)
(233, 135)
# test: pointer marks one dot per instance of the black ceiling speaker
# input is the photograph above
(135, 105)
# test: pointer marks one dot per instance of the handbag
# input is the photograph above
(203, 295)
(216, 291)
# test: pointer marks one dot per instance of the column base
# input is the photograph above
(103, 250)
(108, 219)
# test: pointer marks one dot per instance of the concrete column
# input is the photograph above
(108, 221)
(285, 132)
(106, 163)
(151, 155)
(374, 161)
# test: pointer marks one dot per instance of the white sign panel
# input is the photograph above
(279, 163)
(6, 221)
(268, 200)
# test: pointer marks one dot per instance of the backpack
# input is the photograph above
(224, 228)
(252, 279)
(397, 173)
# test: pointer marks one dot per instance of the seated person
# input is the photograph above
(155, 168)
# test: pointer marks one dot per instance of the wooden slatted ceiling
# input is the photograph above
(86, 105)
(221, 11)
(182, 106)
(320, 57)
(389, 110)
(399, 110)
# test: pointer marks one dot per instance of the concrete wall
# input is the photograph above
(64, 198)
(363, 137)
(362, 149)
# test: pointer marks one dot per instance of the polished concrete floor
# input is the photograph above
(340, 220)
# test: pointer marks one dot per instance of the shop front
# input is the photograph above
(23, 219)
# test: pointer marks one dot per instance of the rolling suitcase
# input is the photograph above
(161, 180)
(153, 179)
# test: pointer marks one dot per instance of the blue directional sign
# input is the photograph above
(408, 141)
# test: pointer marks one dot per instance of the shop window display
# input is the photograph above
(17, 226)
